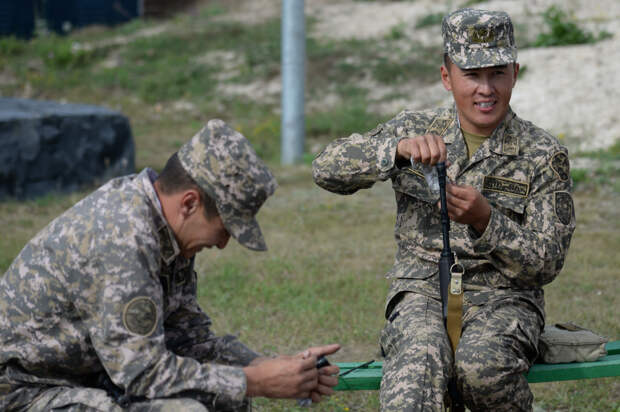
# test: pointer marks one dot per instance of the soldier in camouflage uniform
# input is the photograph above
(99, 310)
(512, 219)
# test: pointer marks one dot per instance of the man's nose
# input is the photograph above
(485, 85)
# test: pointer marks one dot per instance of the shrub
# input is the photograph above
(562, 31)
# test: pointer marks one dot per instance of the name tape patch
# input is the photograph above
(505, 185)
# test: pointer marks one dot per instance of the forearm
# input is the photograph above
(225, 349)
(529, 258)
(155, 373)
(356, 162)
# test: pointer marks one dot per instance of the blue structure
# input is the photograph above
(63, 14)
(17, 18)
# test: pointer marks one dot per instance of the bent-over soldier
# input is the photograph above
(99, 310)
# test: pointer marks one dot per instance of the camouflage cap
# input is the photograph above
(479, 38)
(224, 164)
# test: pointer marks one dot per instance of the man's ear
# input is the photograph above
(190, 202)
(516, 72)
(445, 78)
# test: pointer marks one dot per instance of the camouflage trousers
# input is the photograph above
(84, 399)
(497, 347)
(41, 395)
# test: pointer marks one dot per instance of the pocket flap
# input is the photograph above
(411, 182)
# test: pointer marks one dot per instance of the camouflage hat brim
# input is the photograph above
(244, 229)
(479, 58)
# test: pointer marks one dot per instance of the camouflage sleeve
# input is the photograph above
(125, 323)
(532, 254)
(188, 333)
(356, 162)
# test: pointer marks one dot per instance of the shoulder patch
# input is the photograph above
(505, 185)
(140, 316)
(376, 131)
(560, 165)
(563, 206)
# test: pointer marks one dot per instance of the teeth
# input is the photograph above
(485, 104)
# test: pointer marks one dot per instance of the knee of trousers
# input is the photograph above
(477, 375)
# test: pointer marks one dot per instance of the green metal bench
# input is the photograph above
(369, 377)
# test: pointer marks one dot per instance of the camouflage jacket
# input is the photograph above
(521, 170)
(103, 289)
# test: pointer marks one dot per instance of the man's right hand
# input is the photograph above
(293, 377)
(427, 149)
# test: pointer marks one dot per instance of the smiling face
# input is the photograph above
(482, 96)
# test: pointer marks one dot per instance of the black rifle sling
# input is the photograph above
(451, 285)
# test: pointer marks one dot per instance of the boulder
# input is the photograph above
(49, 146)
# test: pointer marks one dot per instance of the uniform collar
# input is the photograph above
(169, 247)
(503, 141)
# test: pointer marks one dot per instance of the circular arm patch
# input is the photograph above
(140, 315)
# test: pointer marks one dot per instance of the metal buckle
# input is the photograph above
(456, 282)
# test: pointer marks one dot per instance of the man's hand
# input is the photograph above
(328, 375)
(467, 205)
(292, 376)
(428, 149)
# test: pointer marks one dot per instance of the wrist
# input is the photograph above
(481, 224)
(252, 387)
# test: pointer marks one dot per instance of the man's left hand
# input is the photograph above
(467, 205)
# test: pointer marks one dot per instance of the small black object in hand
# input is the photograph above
(321, 362)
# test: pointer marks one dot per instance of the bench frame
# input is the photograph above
(369, 377)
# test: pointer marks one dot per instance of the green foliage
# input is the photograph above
(432, 19)
(64, 53)
(11, 46)
(579, 176)
(168, 67)
(397, 32)
(260, 125)
(349, 117)
(417, 63)
(470, 3)
(605, 172)
(563, 31)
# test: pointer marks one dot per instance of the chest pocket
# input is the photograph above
(509, 196)
(411, 181)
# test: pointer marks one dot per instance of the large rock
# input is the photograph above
(49, 146)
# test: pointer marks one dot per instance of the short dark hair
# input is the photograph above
(447, 61)
(174, 178)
